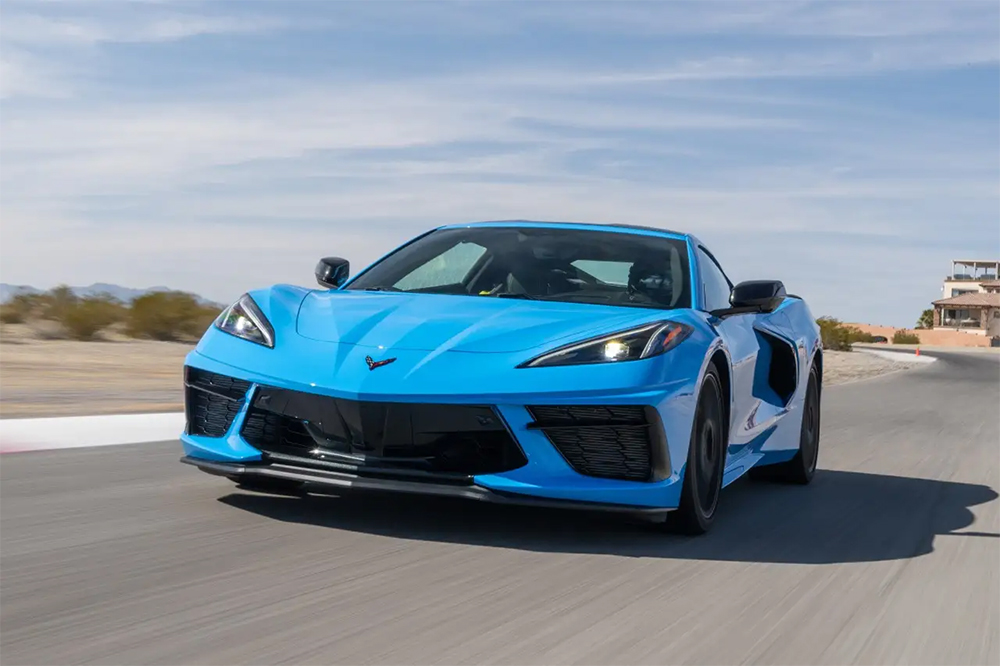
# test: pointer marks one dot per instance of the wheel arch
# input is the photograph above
(720, 360)
(818, 364)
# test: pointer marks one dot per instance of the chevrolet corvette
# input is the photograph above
(604, 367)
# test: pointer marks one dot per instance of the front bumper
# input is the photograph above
(342, 482)
(546, 478)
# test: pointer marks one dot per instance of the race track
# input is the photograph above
(123, 555)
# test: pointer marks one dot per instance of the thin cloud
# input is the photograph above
(23, 75)
(36, 30)
(141, 141)
(855, 19)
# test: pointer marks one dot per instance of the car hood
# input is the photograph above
(434, 322)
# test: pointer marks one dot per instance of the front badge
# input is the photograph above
(372, 364)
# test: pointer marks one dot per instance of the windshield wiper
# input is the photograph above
(382, 289)
(509, 294)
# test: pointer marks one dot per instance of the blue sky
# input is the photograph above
(851, 149)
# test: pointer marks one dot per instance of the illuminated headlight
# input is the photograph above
(615, 350)
(245, 320)
(630, 345)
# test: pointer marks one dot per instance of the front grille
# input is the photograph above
(607, 441)
(376, 437)
(211, 401)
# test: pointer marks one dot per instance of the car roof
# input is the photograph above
(616, 228)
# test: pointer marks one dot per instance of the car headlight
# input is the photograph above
(630, 345)
(245, 320)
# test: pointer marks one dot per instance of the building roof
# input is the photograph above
(972, 300)
(990, 284)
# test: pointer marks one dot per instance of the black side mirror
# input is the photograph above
(763, 295)
(332, 272)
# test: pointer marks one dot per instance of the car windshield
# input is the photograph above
(543, 263)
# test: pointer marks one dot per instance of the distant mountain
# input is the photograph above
(9, 291)
(124, 294)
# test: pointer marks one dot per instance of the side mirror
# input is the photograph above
(332, 272)
(763, 295)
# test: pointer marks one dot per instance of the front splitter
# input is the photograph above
(342, 482)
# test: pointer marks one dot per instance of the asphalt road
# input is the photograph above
(122, 555)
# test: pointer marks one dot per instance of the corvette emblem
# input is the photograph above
(372, 364)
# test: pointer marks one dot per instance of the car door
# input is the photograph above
(742, 343)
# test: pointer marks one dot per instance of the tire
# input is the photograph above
(705, 463)
(263, 484)
(801, 469)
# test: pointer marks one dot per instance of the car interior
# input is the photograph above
(556, 266)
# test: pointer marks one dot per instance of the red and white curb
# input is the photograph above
(72, 432)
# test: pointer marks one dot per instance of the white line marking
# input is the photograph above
(73, 432)
(900, 356)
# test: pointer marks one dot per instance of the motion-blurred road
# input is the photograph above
(122, 555)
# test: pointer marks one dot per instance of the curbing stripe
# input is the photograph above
(71, 432)
(898, 356)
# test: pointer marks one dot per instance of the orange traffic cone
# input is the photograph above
(918, 351)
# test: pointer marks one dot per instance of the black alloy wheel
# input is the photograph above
(706, 461)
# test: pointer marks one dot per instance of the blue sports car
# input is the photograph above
(554, 364)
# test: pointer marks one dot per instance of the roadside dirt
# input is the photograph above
(63, 378)
(844, 367)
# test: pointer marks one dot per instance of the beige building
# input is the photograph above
(971, 299)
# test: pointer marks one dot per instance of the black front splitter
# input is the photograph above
(342, 482)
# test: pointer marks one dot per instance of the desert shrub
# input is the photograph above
(83, 318)
(11, 315)
(834, 334)
(839, 336)
(55, 303)
(62, 314)
(903, 337)
(23, 308)
(855, 334)
(169, 315)
(15, 311)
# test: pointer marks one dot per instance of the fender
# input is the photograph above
(718, 345)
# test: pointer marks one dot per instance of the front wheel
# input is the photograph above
(706, 460)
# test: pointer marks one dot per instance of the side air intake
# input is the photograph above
(780, 376)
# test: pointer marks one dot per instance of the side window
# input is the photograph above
(715, 286)
(448, 268)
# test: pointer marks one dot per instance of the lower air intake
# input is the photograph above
(211, 401)
(612, 442)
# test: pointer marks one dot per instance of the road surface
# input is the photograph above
(122, 555)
